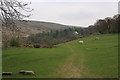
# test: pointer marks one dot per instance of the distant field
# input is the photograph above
(93, 59)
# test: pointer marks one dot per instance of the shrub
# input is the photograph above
(36, 46)
(14, 42)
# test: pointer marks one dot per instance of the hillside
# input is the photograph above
(33, 27)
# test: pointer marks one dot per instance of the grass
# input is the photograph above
(100, 56)
(42, 61)
(94, 58)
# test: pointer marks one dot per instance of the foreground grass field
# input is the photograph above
(93, 59)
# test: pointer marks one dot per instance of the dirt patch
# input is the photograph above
(70, 70)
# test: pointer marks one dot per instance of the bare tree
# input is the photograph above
(11, 11)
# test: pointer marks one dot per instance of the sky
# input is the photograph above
(72, 12)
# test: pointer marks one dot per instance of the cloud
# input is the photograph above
(77, 15)
(81, 13)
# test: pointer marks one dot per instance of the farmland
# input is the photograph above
(92, 59)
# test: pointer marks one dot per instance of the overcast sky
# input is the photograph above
(73, 12)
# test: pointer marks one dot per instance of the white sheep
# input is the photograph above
(81, 42)
(97, 38)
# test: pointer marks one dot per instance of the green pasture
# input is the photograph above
(92, 59)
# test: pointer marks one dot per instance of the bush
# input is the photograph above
(36, 46)
(14, 42)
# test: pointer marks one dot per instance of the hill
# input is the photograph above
(33, 27)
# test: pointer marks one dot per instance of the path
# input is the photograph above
(68, 69)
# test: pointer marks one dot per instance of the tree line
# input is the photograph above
(54, 37)
(104, 26)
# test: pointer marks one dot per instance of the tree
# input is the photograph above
(11, 11)
(102, 26)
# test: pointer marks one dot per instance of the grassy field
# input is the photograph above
(93, 59)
